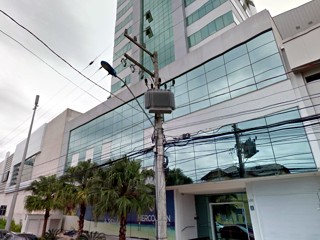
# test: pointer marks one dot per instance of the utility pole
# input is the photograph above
(159, 156)
(238, 148)
(16, 189)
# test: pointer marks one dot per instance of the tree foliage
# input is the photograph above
(177, 177)
(44, 197)
(247, 3)
(76, 188)
(120, 189)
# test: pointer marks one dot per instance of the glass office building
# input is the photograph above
(239, 136)
(280, 139)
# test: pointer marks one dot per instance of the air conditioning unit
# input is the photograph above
(159, 101)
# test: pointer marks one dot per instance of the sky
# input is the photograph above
(79, 32)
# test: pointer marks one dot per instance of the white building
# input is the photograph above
(42, 159)
(245, 128)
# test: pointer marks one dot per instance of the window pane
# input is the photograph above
(272, 76)
(267, 64)
(219, 23)
(217, 62)
(260, 40)
(238, 63)
(216, 73)
(180, 80)
(181, 111)
(200, 105)
(180, 89)
(182, 99)
(263, 51)
(238, 76)
(195, 72)
(220, 85)
(228, 18)
(198, 81)
(198, 93)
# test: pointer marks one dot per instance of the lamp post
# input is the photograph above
(16, 189)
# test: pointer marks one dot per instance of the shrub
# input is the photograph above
(52, 234)
(14, 227)
(92, 236)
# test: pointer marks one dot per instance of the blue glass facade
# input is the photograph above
(246, 68)
(162, 40)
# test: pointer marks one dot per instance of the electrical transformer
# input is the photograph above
(159, 101)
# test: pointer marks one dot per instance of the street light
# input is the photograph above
(16, 189)
(159, 102)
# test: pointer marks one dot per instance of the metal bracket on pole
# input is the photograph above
(161, 205)
(140, 65)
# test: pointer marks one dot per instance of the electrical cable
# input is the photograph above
(49, 67)
(65, 61)
(232, 134)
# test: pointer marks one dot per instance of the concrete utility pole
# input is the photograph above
(16, 189)
(159, 157)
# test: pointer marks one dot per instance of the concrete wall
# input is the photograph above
(34, 223)
(285, 209)
(47, 162)
(304, 48)
(34, 147)
(46, 142)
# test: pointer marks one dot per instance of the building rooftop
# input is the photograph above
(298, 19)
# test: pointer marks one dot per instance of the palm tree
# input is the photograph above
(177, 177)
(120, 189)
(247, 3)
(44, 197)
(76, 188)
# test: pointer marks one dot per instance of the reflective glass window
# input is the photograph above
(238, 63)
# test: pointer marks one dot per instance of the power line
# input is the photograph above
(216, 138)
(65, 61)
(53, 70)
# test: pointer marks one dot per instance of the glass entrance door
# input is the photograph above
(229, 221)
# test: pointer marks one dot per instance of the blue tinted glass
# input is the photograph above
(196, 82)
(241, 90)
(198, 93)
(263, 51)
(238, 63)
(240, 75)
(217, 62)
(195, 72)
(271, 76)
(260, 40)
(216, 73)
(235, 53)
(200, 104)
(182, 99)
(220, 85)
(178, 90)
(181, 111)
(181, 80)
(267, 64)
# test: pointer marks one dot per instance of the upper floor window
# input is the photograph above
(3, 209)
(313, 77)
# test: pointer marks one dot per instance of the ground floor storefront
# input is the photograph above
(271, 208)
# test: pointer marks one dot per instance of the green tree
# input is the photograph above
(44, 197)
(177, 177)
(76, 188)
(247, 3)
(120, 189)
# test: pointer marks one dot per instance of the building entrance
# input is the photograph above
(224, 217)
(229, 221)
